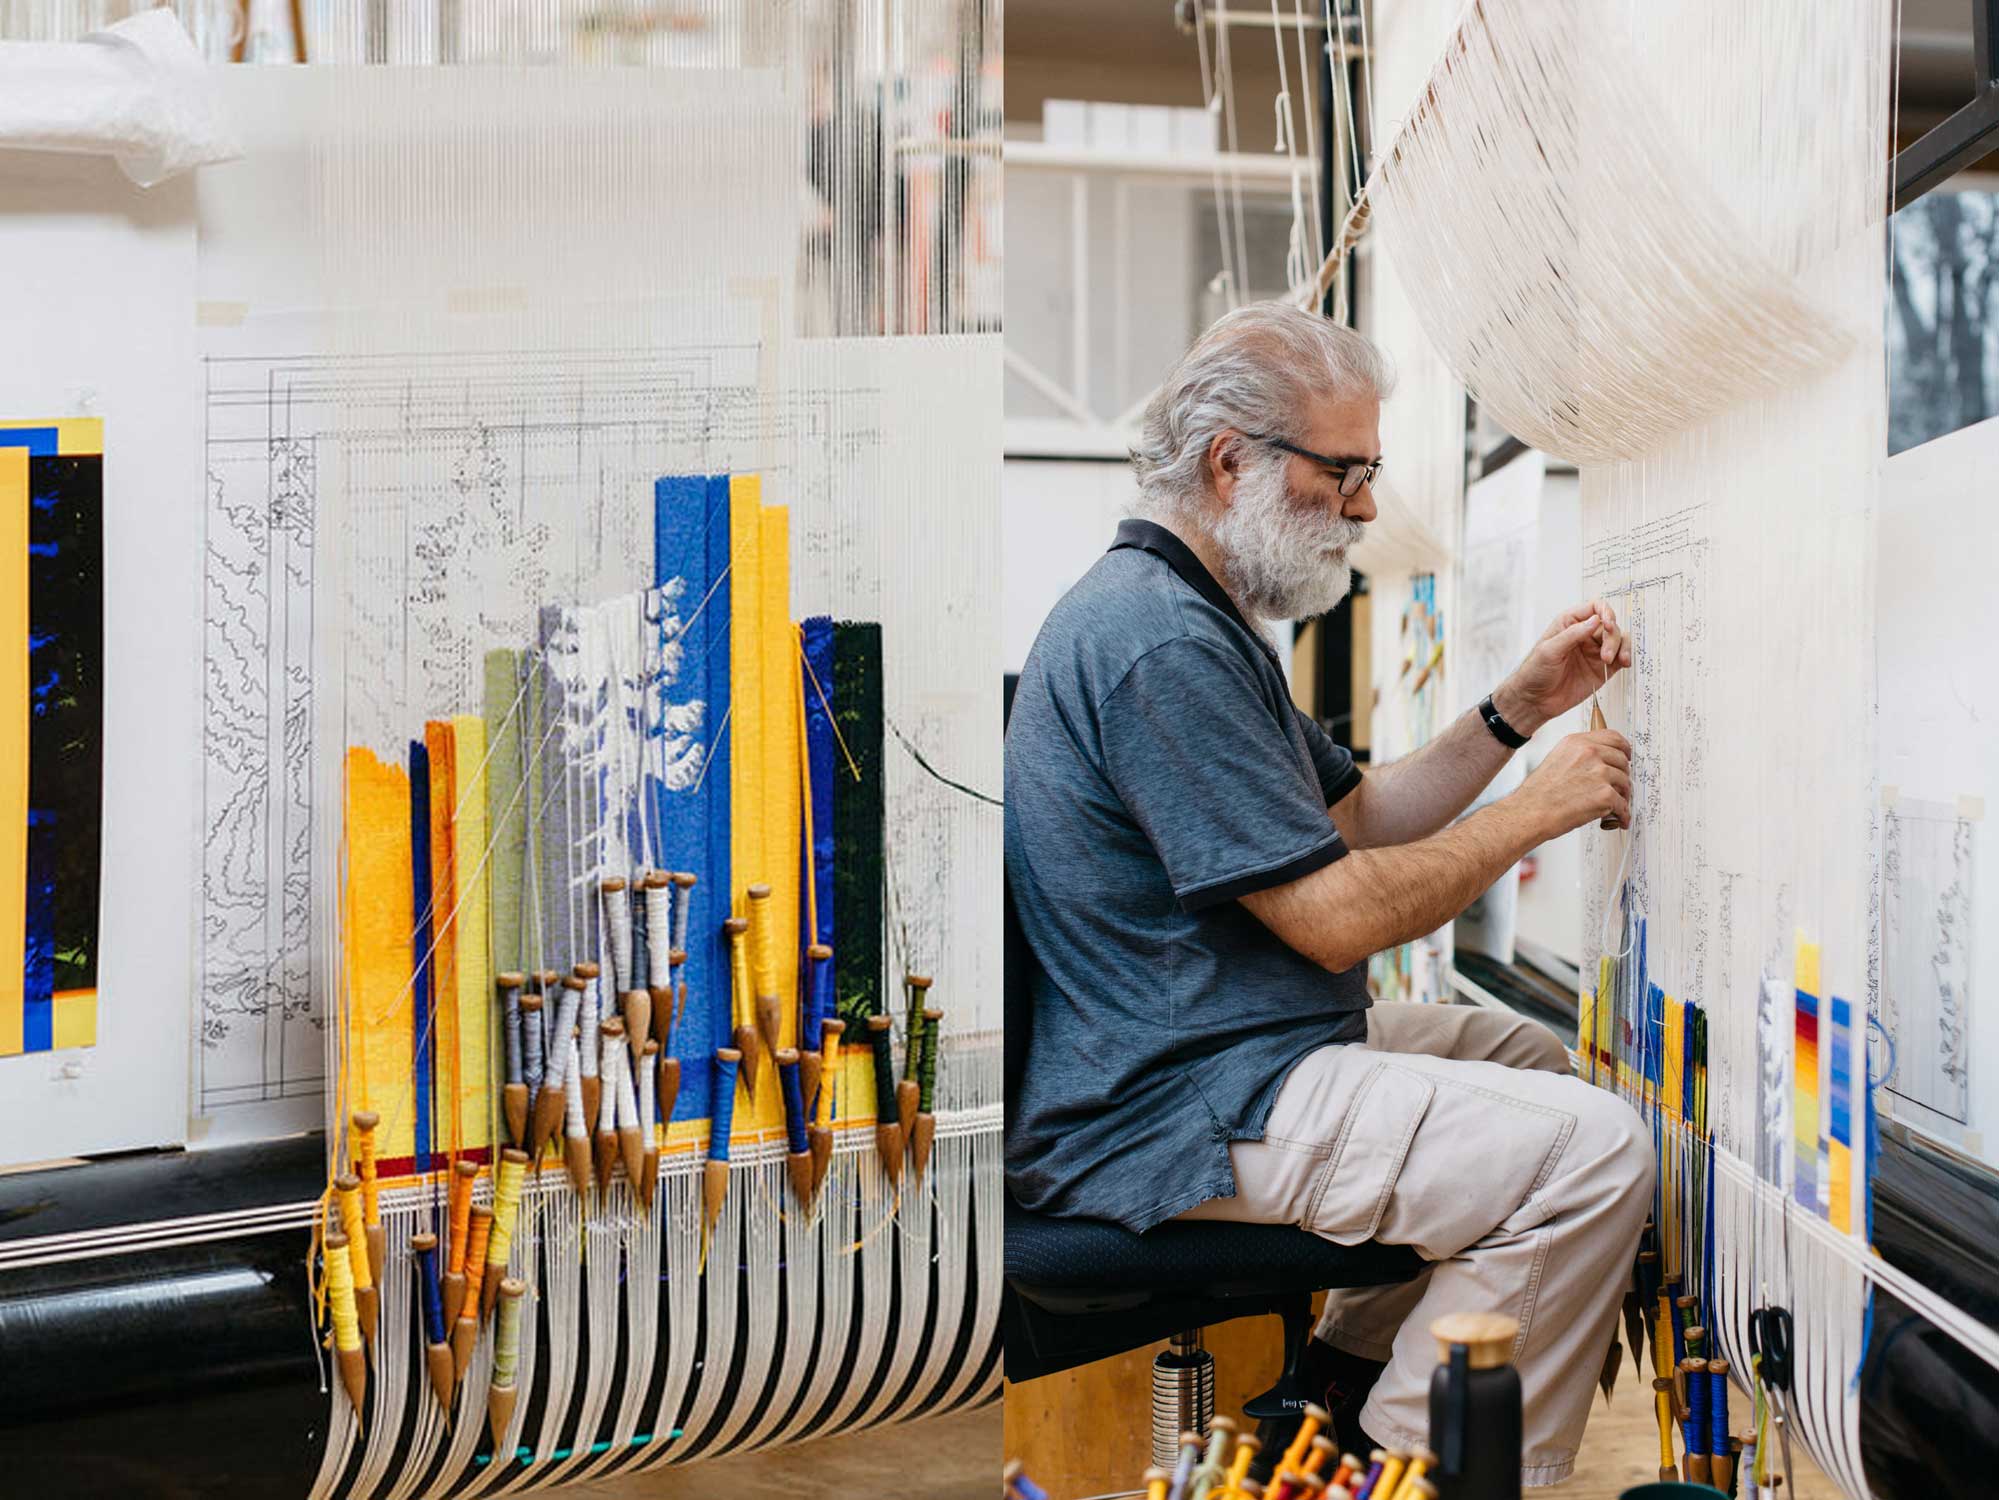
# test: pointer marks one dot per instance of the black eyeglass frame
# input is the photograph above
(1352, 477)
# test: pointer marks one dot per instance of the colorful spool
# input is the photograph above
(437, 1350)
(888, 1134)
(763, 967)
(742, 1006)
(502, 1392)
(507, 1184)
(465, 1332)
(798, 1157)
(346, 1322)
(348, 1190)
(463, 1174)
(715, 1170)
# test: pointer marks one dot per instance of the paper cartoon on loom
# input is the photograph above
(1926, 1001)
(51, 731)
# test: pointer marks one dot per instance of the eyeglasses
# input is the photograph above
(1352, 477)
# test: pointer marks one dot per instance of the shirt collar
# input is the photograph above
(1150, 536)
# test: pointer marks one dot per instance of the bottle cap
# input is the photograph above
(1488, 1336)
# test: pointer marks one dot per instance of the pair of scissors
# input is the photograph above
(1770, 1344)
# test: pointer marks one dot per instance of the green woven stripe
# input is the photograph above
(507, 829)
(857, 825)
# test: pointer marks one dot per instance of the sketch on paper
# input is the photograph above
(1926, 870)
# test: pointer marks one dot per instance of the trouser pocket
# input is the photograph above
(1360, 1173)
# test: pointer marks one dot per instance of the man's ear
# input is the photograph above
(1224, 463)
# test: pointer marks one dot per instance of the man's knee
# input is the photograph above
(1543, 1049)
(1616, 1142)
(1519, 1042)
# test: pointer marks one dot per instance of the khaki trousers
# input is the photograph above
(1460, 1131)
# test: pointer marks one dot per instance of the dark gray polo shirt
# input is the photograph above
(1156, 769)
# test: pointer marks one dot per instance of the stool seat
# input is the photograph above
(1079, 1290)
(1088, 1265)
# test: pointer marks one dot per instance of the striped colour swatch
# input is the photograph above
(51, 731)
(1805, 1081)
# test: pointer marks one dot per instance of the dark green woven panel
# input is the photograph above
(858, 825)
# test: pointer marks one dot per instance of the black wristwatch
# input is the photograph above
(1502, 731)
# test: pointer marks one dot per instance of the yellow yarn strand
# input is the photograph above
(506, 1208)
(507, 1343)
(361, 1274)
(340, 1297)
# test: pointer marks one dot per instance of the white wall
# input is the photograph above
(1938, 699)
(1056, 519)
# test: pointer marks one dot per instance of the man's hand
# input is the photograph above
(1586, 778)
(1574, 657)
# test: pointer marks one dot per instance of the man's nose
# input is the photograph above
(1359, 506)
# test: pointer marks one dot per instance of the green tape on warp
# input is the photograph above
(858, 823)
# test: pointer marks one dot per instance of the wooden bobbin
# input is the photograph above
(648, 1176)
(513, 1091)
(660, 999)
(741, 1006)
(605, 1137)
(922, 1134)
(500, 1398)
(715, 1171)
(821, 1131)
(436, 1356)
(1724, 1467)
(636, 1007)
(821, 1139)
(763, 969)
(916, 1036)
(367, 1301)
(668, 1084)
(451, 1283)
(352, 1360)
(809, 1073)
(377, 1248)
(465, 1331)
(631, 1145)
(1609, 824)
(593, 1083)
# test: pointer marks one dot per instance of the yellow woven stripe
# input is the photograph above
(439, 740)
(13, 748)
(783, 775)
(1674, 1072)
(477, 1094)
(376, 945)
(74, 1019)
(76, 437)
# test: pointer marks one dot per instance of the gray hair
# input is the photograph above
(1256, 369)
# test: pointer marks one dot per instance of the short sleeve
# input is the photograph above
(1338, 774)
(1203, 763)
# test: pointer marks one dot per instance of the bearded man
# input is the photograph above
(1202, 875)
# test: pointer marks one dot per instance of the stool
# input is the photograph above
(1079, 1290)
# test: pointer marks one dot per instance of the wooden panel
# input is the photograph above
(1088, 1431)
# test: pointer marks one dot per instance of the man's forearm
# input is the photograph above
(1411, 798)
(1376, 898)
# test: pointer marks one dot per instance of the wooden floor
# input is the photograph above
(1062, 1429)
(953, 1458)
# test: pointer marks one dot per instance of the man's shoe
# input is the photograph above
(1342, 1382)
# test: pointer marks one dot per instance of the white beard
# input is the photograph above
(1287, 558)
